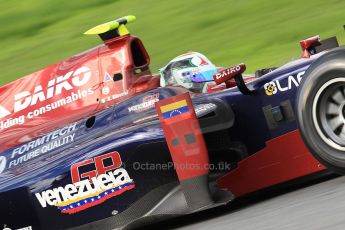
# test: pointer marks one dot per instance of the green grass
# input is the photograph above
(261, 33)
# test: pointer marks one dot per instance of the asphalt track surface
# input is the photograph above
(315, 204)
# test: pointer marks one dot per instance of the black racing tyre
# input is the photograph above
(320, 109)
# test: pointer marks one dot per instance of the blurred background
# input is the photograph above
(261, 33)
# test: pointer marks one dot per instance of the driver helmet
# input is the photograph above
(191, 70)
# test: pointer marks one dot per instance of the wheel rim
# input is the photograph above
(329, 113)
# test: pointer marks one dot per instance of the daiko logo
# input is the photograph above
(276, 86)
(54, 87)
(148, 102)
(228, 71)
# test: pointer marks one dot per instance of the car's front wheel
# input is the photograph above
(320, 109)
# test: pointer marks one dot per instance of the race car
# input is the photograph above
(95, 142)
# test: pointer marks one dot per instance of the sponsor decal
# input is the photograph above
(89, 188)
(42, 145)
(25, 228)
(174, 109)
(80, 94)
(148, 103)
(55, 87)
(107, 77)
(229, 73)
(270, 88)
(276, 86)
(113, 97)
(203, 109)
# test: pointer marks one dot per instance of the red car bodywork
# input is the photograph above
(283, 159)
(74, 88)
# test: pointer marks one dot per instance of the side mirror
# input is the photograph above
(234, 72)
(308, 46)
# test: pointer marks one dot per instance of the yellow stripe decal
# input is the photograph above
(173, 106)
(68, 202)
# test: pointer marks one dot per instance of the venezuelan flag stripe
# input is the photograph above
(175, 112)
(95, 200)
(173, 106)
